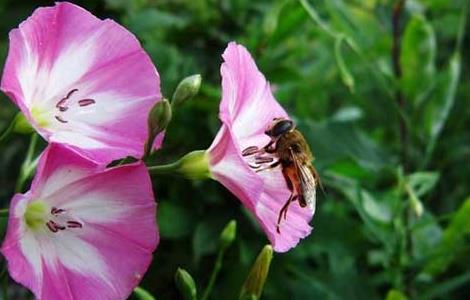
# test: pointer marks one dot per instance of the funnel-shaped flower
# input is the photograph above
(82, 81)
(247, 109)
(82, 231)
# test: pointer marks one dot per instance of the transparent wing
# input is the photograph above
(308, 185)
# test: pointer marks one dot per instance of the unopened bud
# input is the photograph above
(185, 284)
(143, 294)
(186, 89)
(158, 120)
(254, 283)
(228, 234)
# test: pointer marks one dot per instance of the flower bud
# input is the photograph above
(195, 165)
(143, 294)
(186, 89)
(228, 235)
(185, 284)
(158, 119)
(254, 283)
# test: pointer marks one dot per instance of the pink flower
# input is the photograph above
(82, 81)
(82, 231)
(247, 109)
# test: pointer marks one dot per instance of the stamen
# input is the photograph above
(263, 159)
(58, 118)
(51, 227)
(54, 227)
(61, 104)
(74, 224)
(56, 211)
(86, 102)
(250, 151)
(254, 166)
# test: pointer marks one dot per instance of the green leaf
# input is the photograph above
(438, 109)
(422, 182)
(452, 241)
(417, 56)
(346, 75)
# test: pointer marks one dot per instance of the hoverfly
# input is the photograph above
(293, 154)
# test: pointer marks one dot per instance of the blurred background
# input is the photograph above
(379, 88)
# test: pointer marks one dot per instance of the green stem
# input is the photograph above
(3, 212)
(214, 274)
(171, 168)
(28, 166)
(6, 133)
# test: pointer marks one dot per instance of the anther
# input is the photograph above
(61, 104)
(54, 227)
(56, 211)
(74, 224)
(263, 159)
(58, 118)
(86, 102)
(250, 151)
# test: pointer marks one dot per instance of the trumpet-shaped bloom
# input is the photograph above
(82, 81)
(82, 231)
(247, 109)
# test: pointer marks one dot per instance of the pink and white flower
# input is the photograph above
(82, 231)
(82, 81)
(247, 109)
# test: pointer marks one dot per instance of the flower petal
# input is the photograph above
(275, 195)
(82, 81)
(107, 255)
(228, 167)
(248, 105)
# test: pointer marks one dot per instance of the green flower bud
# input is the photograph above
(186, 89)
(254, 283)
(143, 294)
(228, 235)
(158, 120)
(185, 284)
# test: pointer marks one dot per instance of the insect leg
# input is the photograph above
(291, 200)
(283, 211)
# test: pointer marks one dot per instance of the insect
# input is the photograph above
(292, 153)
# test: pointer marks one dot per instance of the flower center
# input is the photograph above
(61, 220)
(37, 214)
(66, 102)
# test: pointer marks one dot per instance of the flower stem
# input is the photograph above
(6, 133)
(214, 274)
(171, 168)
(3, 212)
(29, 165)
(193, 165)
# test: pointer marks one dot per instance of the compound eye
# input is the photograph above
(282, 127)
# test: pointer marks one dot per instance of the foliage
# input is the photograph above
(386, 227)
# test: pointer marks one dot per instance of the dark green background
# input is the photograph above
(367, 238)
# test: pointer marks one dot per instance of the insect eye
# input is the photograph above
(282, 127)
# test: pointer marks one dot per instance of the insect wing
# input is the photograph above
(308, 185)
